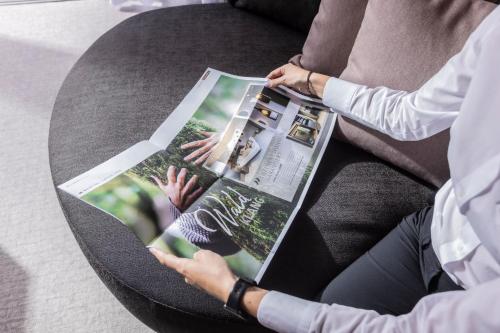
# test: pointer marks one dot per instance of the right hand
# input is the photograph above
(203, 147)
(180, 193)
(207, 271)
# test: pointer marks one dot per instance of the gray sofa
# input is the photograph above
(125, 85)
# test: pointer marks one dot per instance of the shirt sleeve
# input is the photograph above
(455, 311)
(403, 115)
(167, 212)
(474, 151)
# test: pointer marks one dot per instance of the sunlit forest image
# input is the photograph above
(221, 103)
(133, 196)
(158, 164)
(212, 116)
(130, 200)
(259, 220)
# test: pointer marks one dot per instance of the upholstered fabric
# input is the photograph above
(331, 36)
(120, 91)
(297, 14)
(401, 44)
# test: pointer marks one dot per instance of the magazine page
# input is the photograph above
(107, 171)
(271, 140)
(264, 146)
(212, 100)
(227, 171)
(151, 184)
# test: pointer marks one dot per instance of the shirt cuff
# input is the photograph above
(284, 313)
(338, 94)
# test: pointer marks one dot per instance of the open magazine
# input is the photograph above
(226, 171)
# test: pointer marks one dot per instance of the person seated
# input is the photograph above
(439, 269)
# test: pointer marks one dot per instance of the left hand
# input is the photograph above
(296, 78)
(289, 75)
(207, 271)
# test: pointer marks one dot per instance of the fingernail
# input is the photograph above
(268, 83)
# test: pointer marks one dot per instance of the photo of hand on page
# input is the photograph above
(203, 148)
(248, 134)
(180, 193)
(224, 172)
(176, 223)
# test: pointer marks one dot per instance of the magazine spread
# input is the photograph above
(226, 171)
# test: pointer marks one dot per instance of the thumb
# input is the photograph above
(166, 259)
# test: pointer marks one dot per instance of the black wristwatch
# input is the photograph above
(233, 303)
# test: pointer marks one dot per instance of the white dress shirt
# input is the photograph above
(465, 231)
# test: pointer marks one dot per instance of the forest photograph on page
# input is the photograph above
(152, 197)
(233, 220)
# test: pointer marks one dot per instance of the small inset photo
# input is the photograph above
(306, 127)
(264, 117)
(248, 153)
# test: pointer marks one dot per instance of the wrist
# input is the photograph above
(252, 299)
(318, 82)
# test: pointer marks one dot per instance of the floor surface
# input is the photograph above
(46, 285)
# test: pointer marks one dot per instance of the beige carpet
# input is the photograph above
(46, 285)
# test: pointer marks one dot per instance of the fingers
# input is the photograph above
(200, 151)
(202, 158)
(197, 143)
(200, 254)
(171, 174)
(276, 82)
(158, 181)
(181, 177)
(189, 186)
(166, 259)
(280, 71)
(181, 265)
(207, 134)
(193, 196)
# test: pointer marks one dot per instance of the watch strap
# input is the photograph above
(233, 303)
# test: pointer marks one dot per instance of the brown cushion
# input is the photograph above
(401, 44)
(331, 36)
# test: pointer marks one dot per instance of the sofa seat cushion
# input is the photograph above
(121, 90)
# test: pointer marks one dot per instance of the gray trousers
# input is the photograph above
(395, 274)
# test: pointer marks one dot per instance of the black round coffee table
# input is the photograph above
(119, 92)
